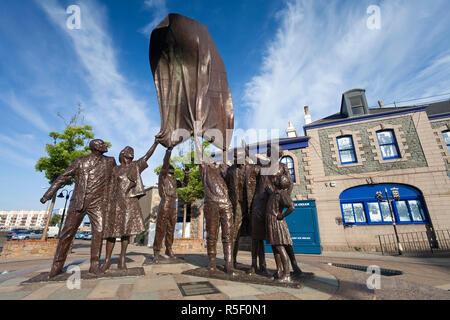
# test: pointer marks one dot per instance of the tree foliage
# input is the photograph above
(194, 189)
(55, 220)
(67, 146)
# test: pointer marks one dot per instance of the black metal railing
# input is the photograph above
(416, 243)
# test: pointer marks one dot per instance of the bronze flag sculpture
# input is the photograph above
(190, 80)
(92, 175)
(195, 100)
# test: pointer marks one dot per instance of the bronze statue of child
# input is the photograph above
(124, 217)
(277, 231)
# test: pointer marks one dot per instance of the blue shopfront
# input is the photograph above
(361, 206)
(303, 228)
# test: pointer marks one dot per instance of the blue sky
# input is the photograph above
(279, 56)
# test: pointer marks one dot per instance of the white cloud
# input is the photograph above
(115, 111)
(324, 48)
(24, 110)
(159, 11)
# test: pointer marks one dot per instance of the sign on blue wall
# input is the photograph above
(304, 228)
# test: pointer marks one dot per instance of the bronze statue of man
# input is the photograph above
(167, 213)
(92, 175)
(218, 210)
(235, 179)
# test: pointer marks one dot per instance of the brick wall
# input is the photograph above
(26, 248)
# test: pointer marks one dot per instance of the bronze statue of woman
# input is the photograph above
(124, 217)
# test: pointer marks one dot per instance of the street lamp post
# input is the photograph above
(61, 195)
(396, 196)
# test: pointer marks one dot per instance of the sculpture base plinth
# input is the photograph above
(85, 275)
(241, 275)
(163, 260)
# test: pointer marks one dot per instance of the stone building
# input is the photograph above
(345, 159)
(359, 151)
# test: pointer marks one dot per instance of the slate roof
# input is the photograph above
(432, 109)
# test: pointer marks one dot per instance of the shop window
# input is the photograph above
(289, 162)
(354, 212)
(388, 145)
(446, 135)
(360, 205)
(346, 150)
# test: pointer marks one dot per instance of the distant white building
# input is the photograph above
(26, 219)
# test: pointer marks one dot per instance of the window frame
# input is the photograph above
(445, 142)
(352, 149)
(353, 210)
(291, 170)
(394, 143)
(408, 206)
(395, 213)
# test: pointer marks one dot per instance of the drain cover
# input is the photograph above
(384, 272)
(197, 288)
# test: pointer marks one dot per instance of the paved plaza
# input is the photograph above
(421, 278)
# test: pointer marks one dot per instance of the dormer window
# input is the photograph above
(354, 103)
(357, 105)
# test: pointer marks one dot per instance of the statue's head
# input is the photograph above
(127, 152)
(98, 145)
(282, 182)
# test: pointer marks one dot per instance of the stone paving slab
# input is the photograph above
(44, 292)
(66, 294)
(153, 295)
(104, 291)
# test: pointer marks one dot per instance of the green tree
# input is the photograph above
(72, 143)
(55, 220)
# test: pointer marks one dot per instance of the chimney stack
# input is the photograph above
(307, 116)
(290, 131)
(380, 103)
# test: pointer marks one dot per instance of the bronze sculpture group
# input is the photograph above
(193, 96)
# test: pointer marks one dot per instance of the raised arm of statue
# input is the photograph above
(62, 179)
(166, 161)
(151, 151)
